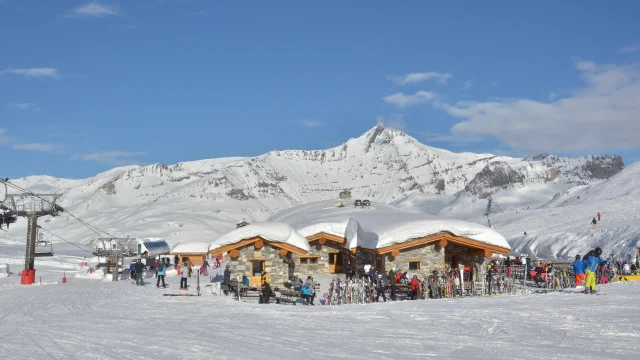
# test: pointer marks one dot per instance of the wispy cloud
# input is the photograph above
(21, 106)
(34, 72)
(312, 123)
(402, 100)
(630, 49)
(600, 116)
(116, 158)
(467, 85)
(414, 78)
(394, 121)
(94, 9)
(36, 147)
(4, 138)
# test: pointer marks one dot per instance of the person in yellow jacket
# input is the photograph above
(265, 278)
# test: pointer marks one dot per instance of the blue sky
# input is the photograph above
(86, 86)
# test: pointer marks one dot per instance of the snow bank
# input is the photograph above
(191, 248)
(379, 225)
(272, 231)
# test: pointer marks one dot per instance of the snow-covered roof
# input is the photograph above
(271, 231)
(379, 225)
(191, 248)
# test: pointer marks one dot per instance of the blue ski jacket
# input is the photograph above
(592, 263)
(578, 267)
(161, 269)
(306, 290)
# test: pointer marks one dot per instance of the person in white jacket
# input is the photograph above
(184, 275)
(626, 269)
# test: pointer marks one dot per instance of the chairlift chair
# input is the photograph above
(366, 203)
(358, 203)
(44, 248)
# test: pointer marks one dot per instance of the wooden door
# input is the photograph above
(257, 266)
(336, 265)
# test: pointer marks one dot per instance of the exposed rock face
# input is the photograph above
(493, 176)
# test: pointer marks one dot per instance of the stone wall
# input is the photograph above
(280, 268)
(431, 258)
(322, 252)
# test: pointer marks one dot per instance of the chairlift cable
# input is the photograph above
(85, 250)
(89, 226)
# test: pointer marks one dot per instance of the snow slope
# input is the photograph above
(92, 319)
(561, 228)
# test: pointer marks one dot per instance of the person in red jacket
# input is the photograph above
(415, 285)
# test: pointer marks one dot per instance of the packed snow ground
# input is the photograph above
(88, 318)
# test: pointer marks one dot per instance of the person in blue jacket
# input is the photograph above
(591, 262)
(578, 270)
(307, 294)
(161, 269)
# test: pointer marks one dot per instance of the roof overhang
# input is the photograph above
(477, 248)
(323, 237)
(245, 242)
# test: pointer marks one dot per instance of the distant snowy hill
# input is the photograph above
(200, 200)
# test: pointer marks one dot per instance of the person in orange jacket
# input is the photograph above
(415, 285)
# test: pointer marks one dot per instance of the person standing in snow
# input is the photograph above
(132, 270)
(160, 271)
(184, 275)
(626, 269)
(156, 264)
(392, 282)
(204, 268)
(372, 275)
(139, 267)
(226, 280)
(598, 216)
(189, 266)
(591, 262)
(578, 270)
(380, 287)
(489, 277)
(508, 263)
(415, 285)
(176, 260)
(593, 223)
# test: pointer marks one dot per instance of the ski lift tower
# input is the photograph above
(30, 206)
(489, 203)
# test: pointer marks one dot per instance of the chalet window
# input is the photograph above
(414, 265)
(309, 260)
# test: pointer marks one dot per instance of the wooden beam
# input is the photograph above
(284, 252)
(395, 253)
(258, 244)
(442, 243)
(327, 237)
(246, 242)
(321, 241)
(448, 238)
(234, 253)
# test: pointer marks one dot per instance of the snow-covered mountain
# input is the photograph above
(199, 200)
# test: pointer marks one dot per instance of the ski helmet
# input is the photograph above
(598, 251)
(415, 276)
(577, 257)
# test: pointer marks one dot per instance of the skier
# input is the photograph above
(139, 267)
(380, 285)
(372, 275)
(593, 223)
(591, 262)
(392, 282)
(598, 216)
(156, 264)
(626, 269)
(183, 277)
(307, 294)
(160, 271)
(508, 263)
(489, 277)
(415, 284)
(578, 270)
(190, 266)
(226, 280)
(204, 268)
